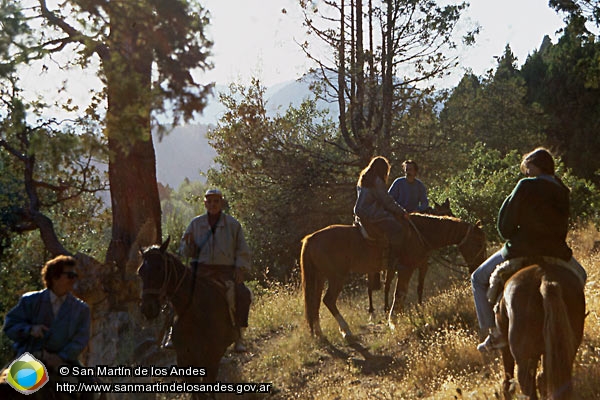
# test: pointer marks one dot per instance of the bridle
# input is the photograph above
(169, 273)
(461, 243)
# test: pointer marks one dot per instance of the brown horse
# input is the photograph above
(331, 253)
(373, 279)
(542, 312)
(203, 329)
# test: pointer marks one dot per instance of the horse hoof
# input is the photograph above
(392, 325)
(349, 337)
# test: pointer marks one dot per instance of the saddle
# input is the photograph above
(374, 237)
(510, 267)
(221, 277)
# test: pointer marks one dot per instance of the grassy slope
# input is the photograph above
(431, 355)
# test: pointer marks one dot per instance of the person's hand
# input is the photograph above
(52, 360)
(38, 331)
(238, 275)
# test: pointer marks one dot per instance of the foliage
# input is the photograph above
(477, 191)
(563, 79)
(385, 54)
(143, 53)
(178, 209)
(493, 110)
(284, 175)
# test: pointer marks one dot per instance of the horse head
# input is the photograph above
(441, 209)
(473, 247)
(153, 273)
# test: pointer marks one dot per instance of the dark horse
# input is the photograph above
(373, 279)
(542, 312)
(203, 329)
(331, 253)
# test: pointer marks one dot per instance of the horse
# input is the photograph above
(373, 279)
(203, 329)
(542, 312)
(331, 253)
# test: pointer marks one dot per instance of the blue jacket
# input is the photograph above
(68, 333)
(375, 204)
(411, 196)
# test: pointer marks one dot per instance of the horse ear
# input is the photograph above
(446, 203)
(165, 245)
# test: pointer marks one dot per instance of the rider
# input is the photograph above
(408, 191)
(215, 242)
(375, 208)
(534, 222)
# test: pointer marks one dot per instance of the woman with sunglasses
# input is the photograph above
(51, 324)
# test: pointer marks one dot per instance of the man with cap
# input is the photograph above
(215, 243)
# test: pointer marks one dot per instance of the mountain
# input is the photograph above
(185, 151)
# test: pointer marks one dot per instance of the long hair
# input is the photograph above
(543, 159)
(378, 167)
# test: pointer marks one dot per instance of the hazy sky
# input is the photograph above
(254, 37)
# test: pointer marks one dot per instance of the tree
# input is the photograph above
(563, 79)
(578, 12)
(386, 52)
(146, 50)
(43, 166)
(493, 110)
(284, 175)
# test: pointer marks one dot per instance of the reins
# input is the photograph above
(162, 292)
(440, 260)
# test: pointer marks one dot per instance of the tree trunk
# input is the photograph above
(132, 163)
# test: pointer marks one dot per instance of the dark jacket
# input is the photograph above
(68, 333)
(534, 219)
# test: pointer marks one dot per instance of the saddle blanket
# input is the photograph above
(508, 268)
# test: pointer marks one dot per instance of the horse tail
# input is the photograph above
(559, 341)
(312, 286)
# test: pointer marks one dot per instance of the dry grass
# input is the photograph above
(431, 354)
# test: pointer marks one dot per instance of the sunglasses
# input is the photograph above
(71, 274)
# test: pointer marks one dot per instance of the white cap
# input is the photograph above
(213, 192)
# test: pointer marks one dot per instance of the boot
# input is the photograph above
(167, 342)
(494, 341)
(239, 342)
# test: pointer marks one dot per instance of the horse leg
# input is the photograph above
(371, 285)
(389, 277)
(422, 271)
(526, 372)
(404, 275)
(508, 385)
(330, 299)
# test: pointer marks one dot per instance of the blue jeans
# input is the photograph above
(480, 282)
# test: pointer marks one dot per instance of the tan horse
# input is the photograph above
(373, 279)
(331, 253)
(542, 313)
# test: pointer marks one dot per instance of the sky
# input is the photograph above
(255, 38)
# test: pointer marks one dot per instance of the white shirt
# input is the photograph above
(56, 301)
